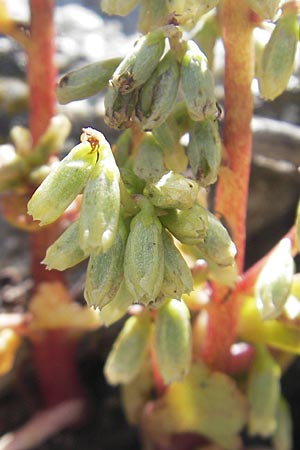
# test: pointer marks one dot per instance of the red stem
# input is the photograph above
(53, 351)
(41, 70)
(41, 80)
(232, 188)
(54, 355)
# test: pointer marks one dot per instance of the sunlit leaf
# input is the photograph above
(274, 281)
(263, 390)
(208, 403)
(9, 343)
(279, 335)
(52, 308)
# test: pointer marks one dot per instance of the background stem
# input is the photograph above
(232, 188)
(41, 80)
(53, 351)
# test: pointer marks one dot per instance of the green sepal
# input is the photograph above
(118, 7)
(152, 14)
(197, 84)
(65, 252)
(172, 190)
(274, 282)
(117, 307)
(204, 151)
(99, 214)
(129, 350)
(144, 256)
(178, 279)
(86, 81)
(149, 161)
(189, 226)
(283, 436)
(135, 69)
(119, 108)
(278, 58)
(173, 340)
(105, 271)
(217, 244)
(263, 391)
(65, 181)
(157, 97)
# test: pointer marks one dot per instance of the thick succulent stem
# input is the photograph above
(232, 188)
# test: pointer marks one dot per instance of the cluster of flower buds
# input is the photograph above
(145, 87)
(277, 61)
(169, 336)
(132, 254)
(20, 163)
(154, 13)
(90, 169)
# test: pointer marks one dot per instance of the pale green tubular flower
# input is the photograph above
(144, 256)
(99, 214)
(173, 340)
(63, 184)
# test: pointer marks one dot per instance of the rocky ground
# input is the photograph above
(81, 37)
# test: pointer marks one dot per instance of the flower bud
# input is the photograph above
(263, 392)
(225, 275)
(123, 148)
(188, 12)
(117, 307)
(149, 160)
(153, 13)
(277, 61)
(172, 190)
(207, 36)
(138, 65)
(274, 282)
(168, 136)
(105, 272)
(86, 81)
(118, 108)
(266, 9)
(178, 279)
(176, 6)
(204, 151)
(197, 84)
(129, 350)
(193, 10)
(63, 184)
(189, 226)
(282, 438)
(217, 244)
(65, 252)
(12, 167)
(99, 214)
(173, 341)
(132, 183)
(51, 141)
(158, 95)
(118, 7)
(144, 256)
